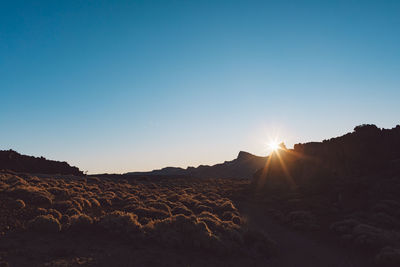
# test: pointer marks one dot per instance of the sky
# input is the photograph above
(118, 86)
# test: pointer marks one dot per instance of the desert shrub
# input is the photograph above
(63, 206)
(237, 220)
(95, 189)
(109, 195)
(200, 208)
(17, 204)
(388, 257)
(31, 195)
(226, 206)
(190, 203)
(65, 219)
(117, 201)
(105, 202)
(72, 212)
(78, 203)
(182, 231)
(232, 216)
(151, 213)
(122, 223)
(212, 220)
(14, 181)
(159, 206)
(59, 192)
(131, 199)
(210, 203)
(86, 204)
(56, 214)
(173, 198)
(199, 196)
(41, 211)
(80, 222)
(44, 223)
(181, 210)
(3, 186)
(95, 203)
(33, 179)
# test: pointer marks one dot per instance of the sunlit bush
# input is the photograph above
(122, 223)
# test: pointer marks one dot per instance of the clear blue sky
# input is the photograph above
(117, 86)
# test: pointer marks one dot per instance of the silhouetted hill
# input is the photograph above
(347, 187)
(243, 166)
(12, 160)
(364, 151)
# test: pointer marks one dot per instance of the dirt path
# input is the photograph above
(297, 249)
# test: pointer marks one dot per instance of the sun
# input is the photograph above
(274, 145)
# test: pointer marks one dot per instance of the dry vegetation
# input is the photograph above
(366, 220)
(346, 187)
(170, 218)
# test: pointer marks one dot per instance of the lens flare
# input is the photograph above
(273, 145)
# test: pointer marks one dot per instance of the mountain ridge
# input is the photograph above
(243, 166)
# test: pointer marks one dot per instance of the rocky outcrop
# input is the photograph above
(12, 160)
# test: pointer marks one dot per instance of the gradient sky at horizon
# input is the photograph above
(118, 86)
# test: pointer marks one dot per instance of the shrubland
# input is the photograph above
(182, 214)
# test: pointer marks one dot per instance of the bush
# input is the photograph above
(55, 213)
(31, 195)
(18, 204)
(181, 210)
(122, 223)
(150, 213)
(94, 203)
(200, 208)
(182, 231)
(72, 212)
(232, 216)
(80, 222)
(63, 206)
(44, 223)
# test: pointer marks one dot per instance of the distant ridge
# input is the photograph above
(366, 151)
(12, 160)
(244, 166)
